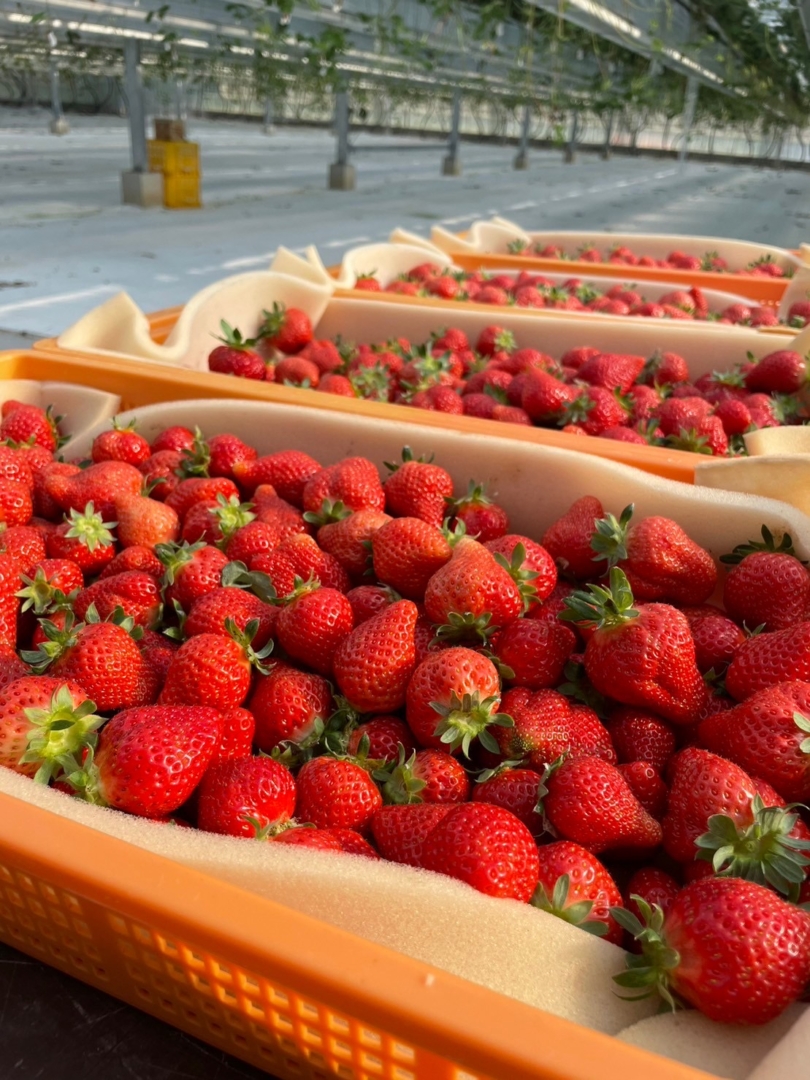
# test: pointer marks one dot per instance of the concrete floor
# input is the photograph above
(66, 243)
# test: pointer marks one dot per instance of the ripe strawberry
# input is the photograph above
(535, 650)
(145, 522)
(243, 796)
(287, 329)
(10, 583)
(400, 832)
(134, 558)
(43, 723)
(210, 612)
(13, 466)
(49, 578)
(486, 847)
(324, 354)
(428, 776)
(374, 664)
(334, 793)
(660, 561)
(369, 600)
(595, 409)
(472, 593)
(354, 482)
(197, 489)
(84, 538)
(288, 471)
(22, 423)
(192, 570)
(770, 658)
(568, 540)
(483, 519)
(647, 786)
(296, 371)
(678, 414)
(643, 657)
(516, 790)
(346, 840)
(44, 504)
(213, 669)
(348, 538)
(591, 803)
(576, 887)
(406, 552)
(418, 489)
(160, 473)
(136, 593)
(384, 736)
(236, 355)
(543, 397)
(99, 484)
(149, 760)
(767, 585)
(641, 736)
(546, 726)
(16, 505)
(24, 543)
(716, 638)
(654, 886)
(289, 705)
(332, 383)
(253, 538)
(708, 436)
(121, 444)
(780, 372)
(734, 415)
(711, 952)
(176, 438)
(611, 371)
(453, 698)
(312, 624)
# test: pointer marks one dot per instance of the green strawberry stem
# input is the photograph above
(465, 627)
(273, 321)
(261, 585)
(38, 593)
(475, 496)
(523, 578)
(231, 515)
(90, 528)
(245, 638)
(85, 779)
(609, 540)
(763, 852)
(59, 735)
(331, 510)
(58, 641)
(398, 783)
(649, 971)
(767, 543)
(468, 718)
(599, 607)
(175, 556)
(196, 460)
(232, 337)
(576, 914)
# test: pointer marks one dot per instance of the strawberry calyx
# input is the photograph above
(119, 425)
(58, 642)
(175, 556)
(407, 455)
(763, 852)
(483, 775)
(688, 439)
(331, 510)
(578, 686)
(465, 626)
(648, 971)
(505, 341)
(296, 752)
(600, 607)
(785, 407)
(557, 904)
(523, 578)
(85, 779)
(89, 528)
(273, 321)
(60, 733)
(609, 539)
(803, 724)
(372, 383)
(767, 543)
(474, 498)
(452, 536)
(231, 515)
(244, 638)
(268, 830)
(237, 574)
(38, 593)
(232, 337)
(196, 459)
(517, 247)
(576, 411)
(399, 784)
(301, 587)
(467, 718)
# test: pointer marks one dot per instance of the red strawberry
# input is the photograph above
(536, 651)
(710, 950)
(287, 329)
(22, 423)
(780, 372)
(145, 522)
(289, 705)
(544, 397)
(134, 558)
(770, 658)
(472, 593)
(641, 736)
(385, 735)
(516, 790)
(611, 370)
(197, 489)
(312, 624)
(596, 409)
(568, 540)
(576, 887)
(546, 726)
(136, 593)
(591, 803)
(653, 886)
(24, 543)
(370, 600)
(176, 438)
(239, 797)
(374, 664)
(84, 538)
(647, 786)
(210, 612)
(213, 669)
(324, 354)
(483, 519)
(309, 561)
(406, 553)
(486, 847)
(400, 831)
(335, 793)
(535, 568)
(121, 444)
(43, 723)
(296, 371)
(716, 638)
(734, 415)
(149, 760)
(348, 538)
(13, 466)
(160, 473)
(288, 471)
(767, 586)
(49, 578)
(99, 484)
(418, 489)
(678, 414)
(354, 482)
(643, 657)
(191, 571)
(429, 776)
(236, 355)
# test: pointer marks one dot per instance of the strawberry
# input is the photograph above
(324, 354)
(150, 759)
(453, 698)
(121, 444)
(385, 735)
(546, 726)
(213, 669)
(336, 384)
(780, 372)
(191, 571)
(236, 355)
(197, 489)
(400, 832)
(348, 538)
(643, 657)
(712, 953)
(536, 652)
(590, 802)
(734, 415)
(716, 638)
(660, 561)
(429, 776)
(678, 414)
(641, 736)
(175, 438)
(543, 397)
(312, 624)
(84, 538)
(508, 414)
(210, 612)
(516, 790)
(595, 409)
(354, 482)
(44, 722)
(472, 593)
(767, 586)
(576, 887)
(136, 593)
(486, 847)
(100, 484)
(568, 540)
(16, 505)
(24, 543)
(287, 329)
(369, 600)
(160, 473)
(374, 664)
(289, 705)
(334, 793)
(483, 519)
(44, 504)
(10, 583)
(22, 423)
(296, 371)
(654, 886)
(535, 567)
(13, 466)
(770, 658)
(133, 558)
(419, 489)
(40, 592)
(613, 371)
(253, 538)
(242, 796)
(288, 471)
(406, 552)
(647, 786)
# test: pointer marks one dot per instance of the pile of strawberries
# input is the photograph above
(532, 290)
(622, 255)
(648, 401)
(263, 647)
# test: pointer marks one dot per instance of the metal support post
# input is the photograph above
(606, 151)
(139, 186)
(571, 149)
(522, 156)
(451, 166)
(59, 125)
(341, 173)
(269, 128)
(690, 102)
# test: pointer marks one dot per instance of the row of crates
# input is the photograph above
(180, 164)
